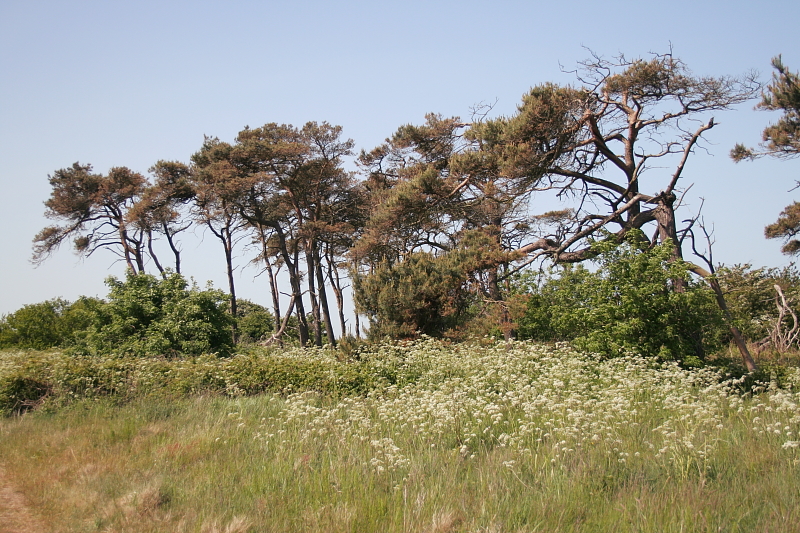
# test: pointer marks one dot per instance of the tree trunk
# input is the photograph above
(153, 254)
(173, 247)
(277, 336)
(126, 247)
(495, 294)
(323, 298)
(224, 235)
(747, 359)
(273, 282)
(336, 285)
(294, 281)
(664, 213)
(229, 264)
(312, 290)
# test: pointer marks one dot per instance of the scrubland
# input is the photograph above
(425, 436)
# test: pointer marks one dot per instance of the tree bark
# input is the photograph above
(323, 297)
(747, 359)
(664, 214)
(312, 290)
(175, 251)
(224, 235)
(336, 285)
(294, 281)
(153, 253)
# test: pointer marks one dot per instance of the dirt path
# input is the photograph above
(15, 515)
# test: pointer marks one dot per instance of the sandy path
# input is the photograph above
(15, 515)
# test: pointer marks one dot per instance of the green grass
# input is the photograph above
(446, 439)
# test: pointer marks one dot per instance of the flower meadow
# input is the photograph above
(543, 408)
(420, 436)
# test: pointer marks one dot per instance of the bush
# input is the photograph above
(28, 378)
(50, 324)
(628, 305)
(253, 322)
(750, 294)
(37, 326)
(147, 316)
(422, 294)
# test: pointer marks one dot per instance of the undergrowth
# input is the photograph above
(422, 436)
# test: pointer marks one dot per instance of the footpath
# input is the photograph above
(15, 514)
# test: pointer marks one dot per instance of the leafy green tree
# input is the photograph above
(781, 139)
(787, 227)
(34, 326)
(629, 304)
(255, 322)
(218, 186)
(301, 195)
(606, 143)
(288, 186)
(49, 324)
(148, 316)
(595, 145)
(423, 293)
(434, 187)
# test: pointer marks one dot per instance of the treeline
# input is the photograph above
(439, 233)
(278, 187)
(626, 304)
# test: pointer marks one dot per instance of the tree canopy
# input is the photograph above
(781, 139)
(447, 214)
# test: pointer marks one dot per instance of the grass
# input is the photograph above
(446, 439)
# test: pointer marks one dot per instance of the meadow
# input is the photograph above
(425, 436)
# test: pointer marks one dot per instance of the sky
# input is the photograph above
(115, 83)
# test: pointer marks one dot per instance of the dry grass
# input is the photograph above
(485, 440)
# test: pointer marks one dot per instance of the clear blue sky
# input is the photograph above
(128, 83)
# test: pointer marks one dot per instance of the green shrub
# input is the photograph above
(750, 294)
(147, 316)
(422, 294)
(629, 304)
(37, 326)
(253, 322)
(81, 317)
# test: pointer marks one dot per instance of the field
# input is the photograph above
(427, 437)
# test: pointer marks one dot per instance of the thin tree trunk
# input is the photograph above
(273, 285)
(336, 285)
(137, 249)
(273, 289)
(294, 281)
(224, 235)
(357, 319)
(323, 298)
(153, 253)
(747, 359)
(174, 248)
(277, 336)
(126, 248)
(312, 290)
(229, 263)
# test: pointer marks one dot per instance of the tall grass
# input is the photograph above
(446, 438)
